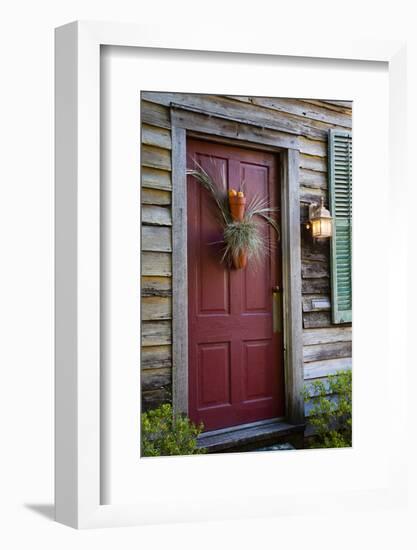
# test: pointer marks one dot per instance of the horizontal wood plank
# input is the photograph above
(156, 239)
(300, 109)
(313, 178)
(156, 263)
(156, 357)
(155, 196)
(156, 179)
(327, 335)
(226, 129)
(155, 157)
(321, 352)
(315, 286)
(316, 302)
(320, 369)
(314, 270)
(156, 215)
(313, 147)
(156, 286)
(317, 319)
(310, 162)
(310, 194)
(246, 113)
(331, 106)
(154, 114)
(154, 379)
(154, 135)
(156, 308)
(155, 398)
(156, 333)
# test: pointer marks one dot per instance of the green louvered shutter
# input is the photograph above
(340, 190)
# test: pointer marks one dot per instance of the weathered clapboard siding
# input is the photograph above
(155, 179)
(156, 196)
(155, 157)
(157, 263)
(293, 123)
(300, 108)
(321, 352)
(321, 369)
(247, 113)
(156, 307)
(156, 286)
(156, 379)
(156, 215)
(156, 357)
(156, 239)
(156, 333)
(159, 137)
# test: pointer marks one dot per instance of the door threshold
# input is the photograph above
(251, 436)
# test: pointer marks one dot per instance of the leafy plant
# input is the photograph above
(164, 434)
(239, 236)
(331, 412)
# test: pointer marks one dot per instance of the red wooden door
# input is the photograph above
(235, 358)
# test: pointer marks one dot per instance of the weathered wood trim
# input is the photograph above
(291, 279)
(291, 242)
(179, 273)
(223, 126)
(320, 369)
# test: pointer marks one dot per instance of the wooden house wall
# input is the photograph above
(327, 347)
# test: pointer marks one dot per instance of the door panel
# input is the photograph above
(235, 359)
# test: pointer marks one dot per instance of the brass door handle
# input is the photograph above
(276, 309)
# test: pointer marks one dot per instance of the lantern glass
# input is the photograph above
(321, 227)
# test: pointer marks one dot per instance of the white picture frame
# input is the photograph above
(78, 407)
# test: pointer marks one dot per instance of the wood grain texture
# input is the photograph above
(155, 379)
(154, 135)
(320, 369)
(154, 114)
(156, 286)
(314, 270)
(229, 129)
(156, 263)
(333, 350)
(311, 162)
(156, 215)
(300, 109)
(291, 268)
(316, 286)
(155, 196)
(156, 308)
(156, 239)
(180, 274)
(155, 157)
(248, 113)
(156, 357)
(313, 178)
(316, 302)
(156, 179)
(155, 398)
(327, 335)
(317, 319)
(156, 333)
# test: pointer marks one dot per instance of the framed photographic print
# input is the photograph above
(220, 350)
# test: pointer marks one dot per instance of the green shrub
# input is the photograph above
(163, 434)
(330, 417)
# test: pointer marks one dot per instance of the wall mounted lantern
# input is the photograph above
(320, 220)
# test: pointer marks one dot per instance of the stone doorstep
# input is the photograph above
(251, 437)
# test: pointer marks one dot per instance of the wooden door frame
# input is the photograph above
(196, 123)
